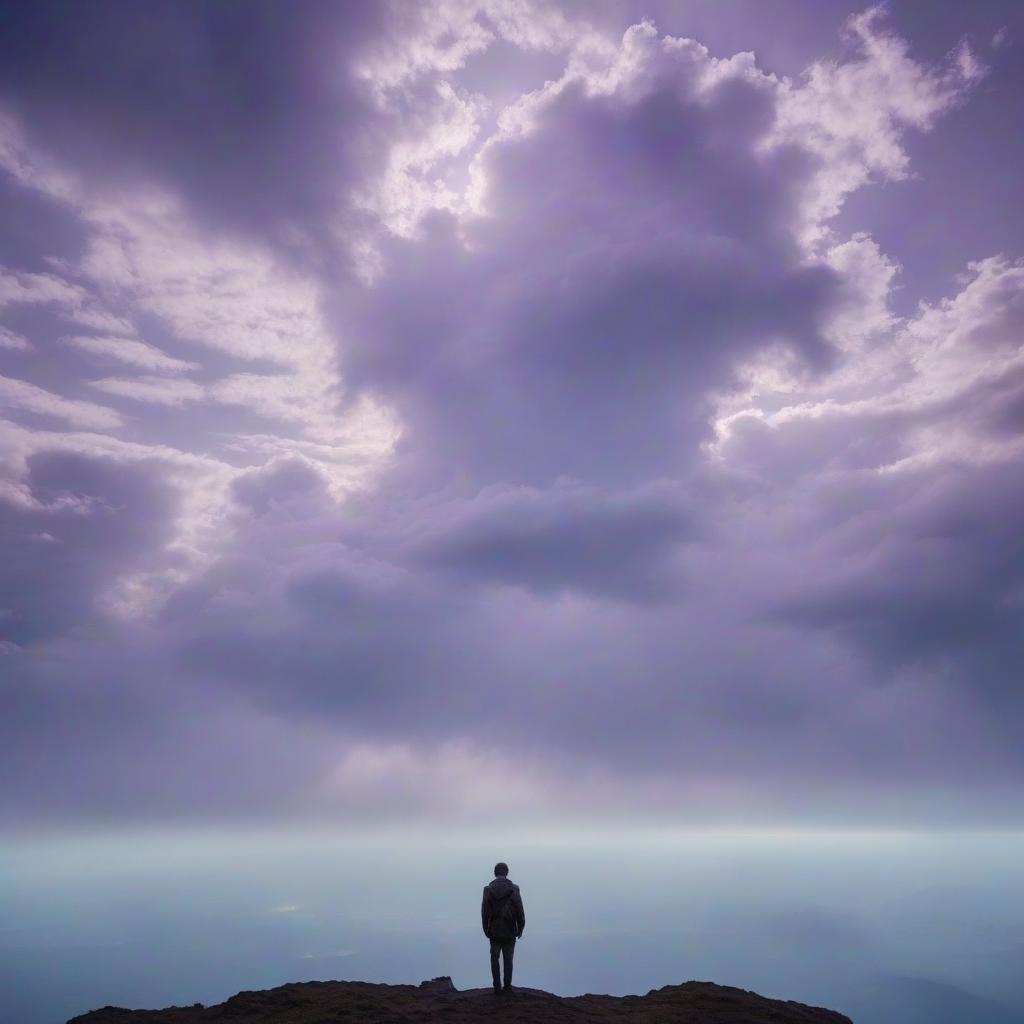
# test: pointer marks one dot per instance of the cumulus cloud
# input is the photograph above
(593, 361)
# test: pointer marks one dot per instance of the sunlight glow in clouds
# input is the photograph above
(484, 395)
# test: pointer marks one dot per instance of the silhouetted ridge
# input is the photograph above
(317, 1002)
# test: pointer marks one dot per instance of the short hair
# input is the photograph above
(501, 868)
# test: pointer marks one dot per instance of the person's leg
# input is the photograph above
(508, 949)
(495, 976)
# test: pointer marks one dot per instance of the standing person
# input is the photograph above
(504, 919)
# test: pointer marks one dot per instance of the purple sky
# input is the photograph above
(600, 411)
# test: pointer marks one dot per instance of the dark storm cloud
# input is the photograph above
(250, 110)
(569, 537)
(302, 621)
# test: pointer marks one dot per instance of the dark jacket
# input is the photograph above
(501, 889)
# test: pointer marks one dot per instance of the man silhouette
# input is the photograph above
(504, 919)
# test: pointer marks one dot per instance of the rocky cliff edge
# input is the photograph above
(326, 1002)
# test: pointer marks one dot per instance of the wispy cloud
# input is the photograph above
(29, 397)
(130, 351)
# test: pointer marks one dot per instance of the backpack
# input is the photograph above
(503, 916)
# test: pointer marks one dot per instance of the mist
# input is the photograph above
(883, 926)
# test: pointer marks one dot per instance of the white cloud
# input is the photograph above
(270, 352)
(851, 114)
(23, 395)
(409, 186)
(158, 390)
(72, 301)
(440, 37)
(10, 340)
(948, 380)
(17, 288)
(31, 168)
(131, 351)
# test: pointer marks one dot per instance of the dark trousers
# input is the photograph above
(507, 948)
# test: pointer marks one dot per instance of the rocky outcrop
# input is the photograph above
(325, 1002)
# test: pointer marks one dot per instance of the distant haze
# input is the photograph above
(882, 926)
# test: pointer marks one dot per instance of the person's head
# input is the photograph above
(500, 869)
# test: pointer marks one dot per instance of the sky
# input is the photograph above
(493, 410)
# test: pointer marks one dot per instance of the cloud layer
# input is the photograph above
(400, 406)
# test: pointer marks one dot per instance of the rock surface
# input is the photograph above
(326, 1002)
